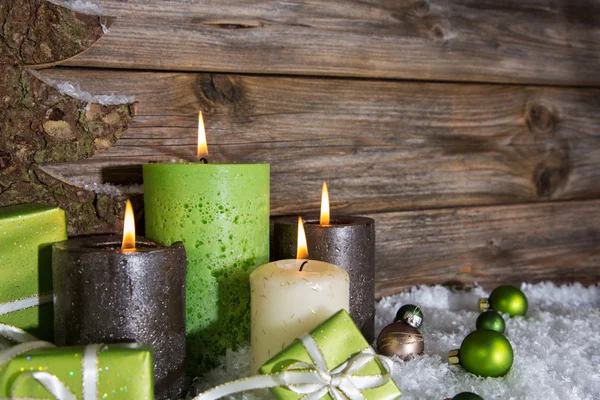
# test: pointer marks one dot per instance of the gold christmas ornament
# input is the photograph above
(400, 339)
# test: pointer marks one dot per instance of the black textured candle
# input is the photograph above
(349, 243)
(103, 294)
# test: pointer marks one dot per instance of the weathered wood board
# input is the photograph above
(532, 41)
(557, 241)
(467, 181)
(382, 146)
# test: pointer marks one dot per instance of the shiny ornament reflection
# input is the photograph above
(400, 339)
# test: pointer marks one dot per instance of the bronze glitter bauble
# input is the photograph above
(400, 339)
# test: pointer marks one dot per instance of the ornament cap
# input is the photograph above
(484, 305)
(410, 314)
(412, 319)
(453, 358)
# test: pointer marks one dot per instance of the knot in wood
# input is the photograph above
(540, 119)
(231, 24)
(552, 173)
(219, 89)
(420, 8)
(438, 32)
(495, 246)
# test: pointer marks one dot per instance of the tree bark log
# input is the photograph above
(39, 124)
(38, 33)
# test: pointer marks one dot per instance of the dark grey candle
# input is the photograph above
(349, 243)
(103, 294)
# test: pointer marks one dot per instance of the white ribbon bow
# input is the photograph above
(314, 380)
(28, 342)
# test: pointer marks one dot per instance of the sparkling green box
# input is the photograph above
(124, 371)
(26, 236)
(339, 339)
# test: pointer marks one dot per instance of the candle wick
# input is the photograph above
(203, 160)
(302, 265)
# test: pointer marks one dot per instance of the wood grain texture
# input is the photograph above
(524, 41)
(490, 245)
(382, 146)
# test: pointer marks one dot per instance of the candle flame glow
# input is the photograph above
(128, 228)
(324, 205)
(302, 249)
(202, 146)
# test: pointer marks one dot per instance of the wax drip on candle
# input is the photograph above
(202, 145)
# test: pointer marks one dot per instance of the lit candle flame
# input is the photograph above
(324, 205)
(128, 228)
(302, 249)
(202, 146)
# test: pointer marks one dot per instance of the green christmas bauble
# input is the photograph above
(486, 353)
(410, 314)
(467, 396)
(509, 300)
(490, 320)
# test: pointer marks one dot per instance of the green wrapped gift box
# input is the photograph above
(339, 340)
(123, 371)
(26, 236)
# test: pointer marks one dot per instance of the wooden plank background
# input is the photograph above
(489, 245)
(382, 146)
(469, 129)
(532, 41)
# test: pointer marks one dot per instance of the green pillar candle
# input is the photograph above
(221, 214)
(26, 236)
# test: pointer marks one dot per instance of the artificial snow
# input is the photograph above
(556, 346)
(73, 89)
(84, 7)
(108, 188)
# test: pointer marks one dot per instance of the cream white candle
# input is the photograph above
(287, 303)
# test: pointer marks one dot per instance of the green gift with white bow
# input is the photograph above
(113, 371)
(341, 361)
(26, 236)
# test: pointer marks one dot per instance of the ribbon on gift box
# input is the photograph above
(27, 342)
(51, 382)
(27, 302)
(314, 380)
